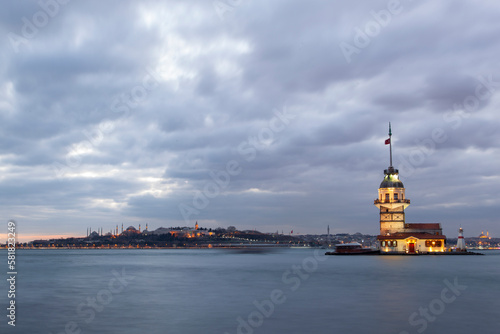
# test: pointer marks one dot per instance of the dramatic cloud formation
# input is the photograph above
(267, 115)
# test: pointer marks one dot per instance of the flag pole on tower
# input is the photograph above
(389, 141)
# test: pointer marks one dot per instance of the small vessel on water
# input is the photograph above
(353, 248)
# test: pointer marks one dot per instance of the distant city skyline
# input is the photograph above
(260, 115)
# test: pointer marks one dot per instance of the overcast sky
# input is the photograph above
(267, 115)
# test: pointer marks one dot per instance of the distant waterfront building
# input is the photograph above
(184, 232)
(131, 231)
(397, 236)
(484, 236)
(93, 235)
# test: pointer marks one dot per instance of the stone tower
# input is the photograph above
(391, 201)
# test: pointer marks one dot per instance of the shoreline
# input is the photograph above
(249, 246)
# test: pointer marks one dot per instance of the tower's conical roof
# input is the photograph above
(391, 179)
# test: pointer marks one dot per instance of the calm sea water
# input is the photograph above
(222, 291)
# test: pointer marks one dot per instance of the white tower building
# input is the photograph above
(461, 241)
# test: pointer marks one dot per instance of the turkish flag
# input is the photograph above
(388, 141)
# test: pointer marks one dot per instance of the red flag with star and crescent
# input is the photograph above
(388, 141)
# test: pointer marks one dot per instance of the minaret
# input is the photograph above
(328, 231)
(196, 225)
(391, 198)
(139, 228)
(461, 241)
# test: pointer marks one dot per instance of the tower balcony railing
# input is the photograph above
(378, 201)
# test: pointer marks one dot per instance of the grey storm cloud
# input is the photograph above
(263, 115)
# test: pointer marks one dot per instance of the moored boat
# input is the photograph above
(353, 248)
